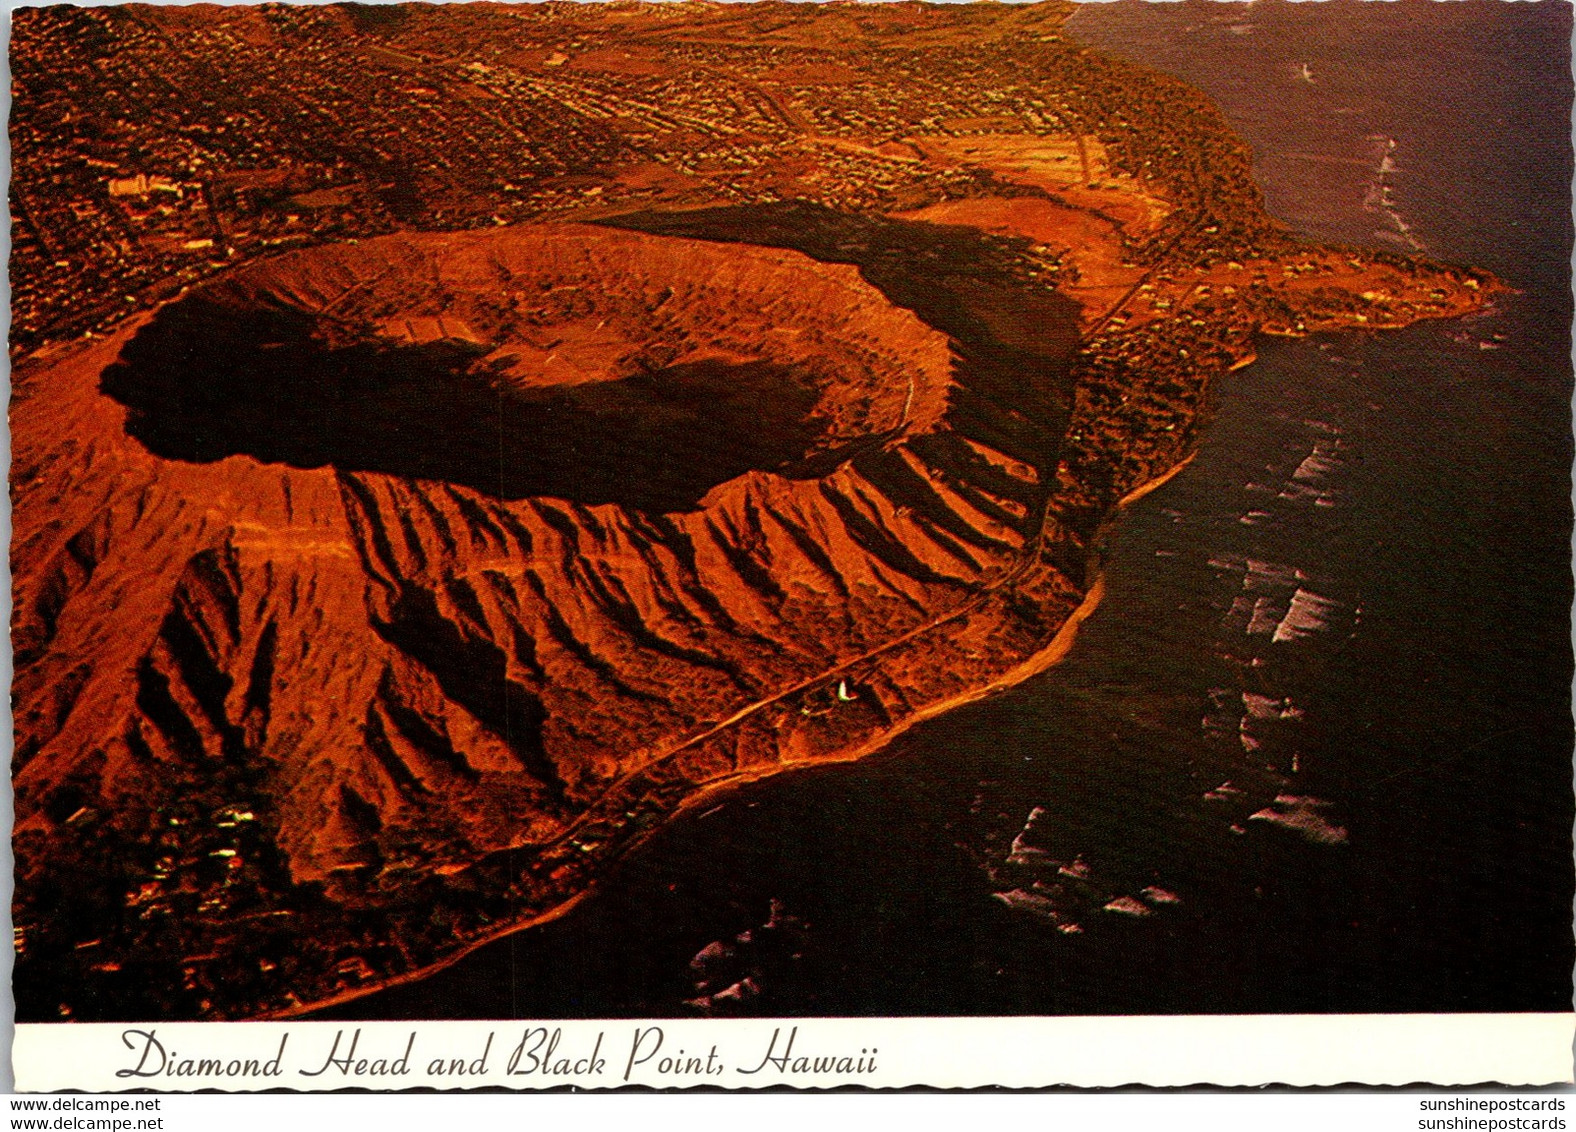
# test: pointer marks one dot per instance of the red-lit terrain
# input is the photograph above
(372, 596)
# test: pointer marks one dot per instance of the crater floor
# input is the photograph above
(561, 360)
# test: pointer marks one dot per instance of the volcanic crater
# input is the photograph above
(560, 360)
(457, 561)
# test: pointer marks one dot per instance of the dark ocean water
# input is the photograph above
(1315, 746)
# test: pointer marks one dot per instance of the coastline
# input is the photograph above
(1055, 650)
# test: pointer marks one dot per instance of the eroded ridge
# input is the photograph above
(374, 596)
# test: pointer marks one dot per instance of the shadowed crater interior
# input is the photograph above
(206, 380)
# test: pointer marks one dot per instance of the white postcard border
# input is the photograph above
(877, 1053)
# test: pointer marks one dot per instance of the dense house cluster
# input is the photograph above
(153, 147)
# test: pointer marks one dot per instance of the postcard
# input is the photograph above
(763, 544)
